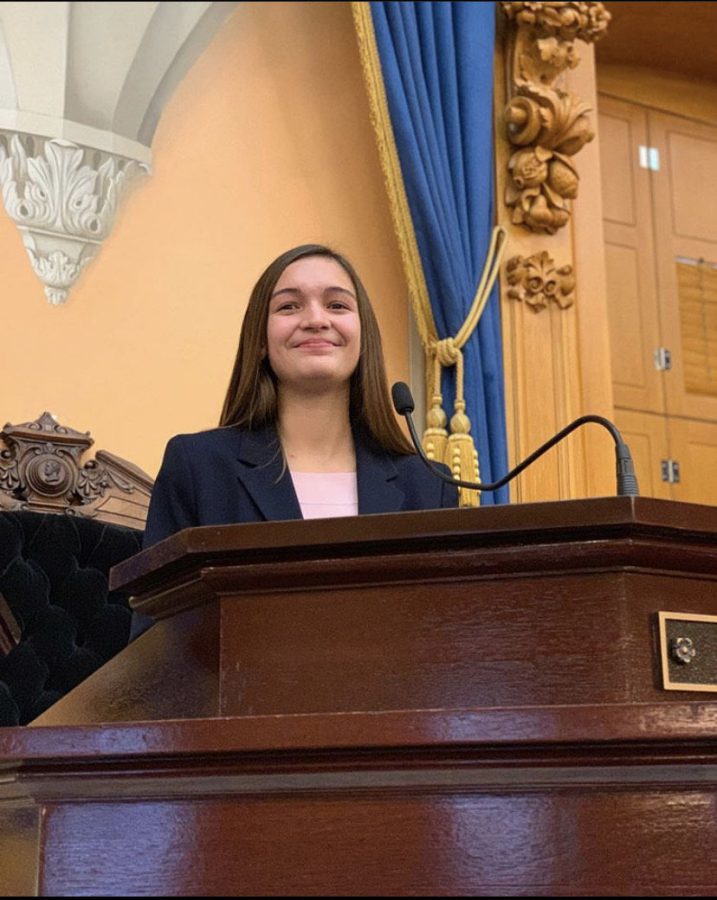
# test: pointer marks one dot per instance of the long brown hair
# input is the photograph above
(251, 398)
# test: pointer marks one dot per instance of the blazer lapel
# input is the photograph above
(260, 464)
(377, 478)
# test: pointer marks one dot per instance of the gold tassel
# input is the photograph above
(435, 435)
(461, 455)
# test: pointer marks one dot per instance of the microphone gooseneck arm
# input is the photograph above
(625, 470)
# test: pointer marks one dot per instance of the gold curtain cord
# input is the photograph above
(457, 450)
(447, 352)
(391, 167)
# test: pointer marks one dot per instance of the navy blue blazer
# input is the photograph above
(228, 475)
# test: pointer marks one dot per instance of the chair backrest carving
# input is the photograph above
(41, 469)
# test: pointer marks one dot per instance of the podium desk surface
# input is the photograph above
(485, 528)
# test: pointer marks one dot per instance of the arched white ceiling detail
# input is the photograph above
(82, 88)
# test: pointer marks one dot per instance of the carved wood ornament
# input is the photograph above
(40, 470)
(547, 124)
(537, 282)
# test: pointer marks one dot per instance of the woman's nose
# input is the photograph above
(315, 316)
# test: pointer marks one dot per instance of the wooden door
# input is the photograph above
(684, 193)
(659, 186)
(629, 258)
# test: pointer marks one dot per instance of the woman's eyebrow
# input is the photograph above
(329, 290)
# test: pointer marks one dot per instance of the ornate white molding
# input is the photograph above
(63, 199)
(82, 89)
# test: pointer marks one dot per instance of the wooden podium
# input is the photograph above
(460, 702)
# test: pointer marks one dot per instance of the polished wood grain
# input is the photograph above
(449, 802)
(544, 604)
(429, 843)
(464, 702)
(435, 532)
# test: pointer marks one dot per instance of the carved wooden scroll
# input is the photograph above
(547, 124)
(41, 469)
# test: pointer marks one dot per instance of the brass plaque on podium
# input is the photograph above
(688, 651)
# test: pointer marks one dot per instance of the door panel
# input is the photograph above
(694, 445)
(685, 213)
(631, 281)
(646, 436)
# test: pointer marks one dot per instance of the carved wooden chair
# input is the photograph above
(63, 524)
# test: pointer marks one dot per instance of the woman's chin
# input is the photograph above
(319, 368)
(317, 380)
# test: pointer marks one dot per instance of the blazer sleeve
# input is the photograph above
(172, 505)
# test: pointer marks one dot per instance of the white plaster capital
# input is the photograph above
(63, 197)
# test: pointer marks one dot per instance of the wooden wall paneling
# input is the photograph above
(694, 445)
(571, 453)
(697, 298)
(684, 196)
(647, 437)
(656, 222)
(690, 442)
(629, 255)
(659, 89)
(535, 369)
(677, 39)
(592, 350)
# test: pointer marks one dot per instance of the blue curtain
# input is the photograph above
(437, 65)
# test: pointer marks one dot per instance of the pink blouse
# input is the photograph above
(323, 495)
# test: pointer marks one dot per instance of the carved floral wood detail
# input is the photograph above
(537, 282)
(547, 124)
(41, 469)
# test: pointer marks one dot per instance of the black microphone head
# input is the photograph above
(402, 398)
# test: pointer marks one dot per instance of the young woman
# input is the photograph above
(307, 429)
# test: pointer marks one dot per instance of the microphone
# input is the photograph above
(626, 478)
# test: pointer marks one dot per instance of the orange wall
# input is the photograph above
(266, 144)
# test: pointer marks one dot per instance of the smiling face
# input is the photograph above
(313, 328)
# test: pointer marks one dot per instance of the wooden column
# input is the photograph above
(554, 311)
